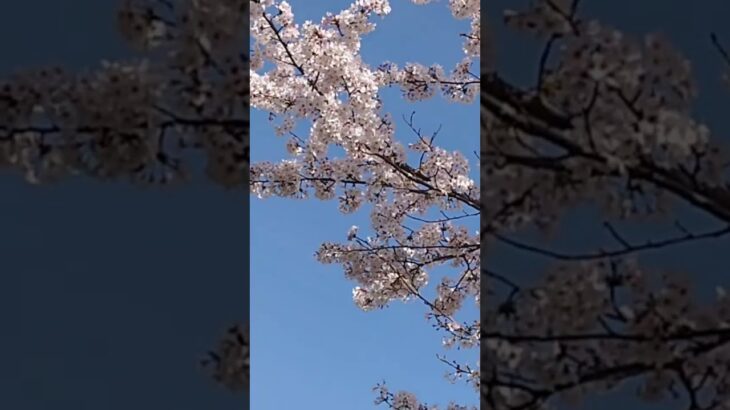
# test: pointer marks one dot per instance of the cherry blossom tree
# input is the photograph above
(147, 120)
(313, 73)
(608, 125)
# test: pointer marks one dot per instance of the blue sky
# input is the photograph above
(110, 293)
(311, 346)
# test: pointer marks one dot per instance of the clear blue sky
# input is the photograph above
(109, 293)
(311, 346)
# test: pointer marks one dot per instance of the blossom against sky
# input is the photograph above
(306, 330)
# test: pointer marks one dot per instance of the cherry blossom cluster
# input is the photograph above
(588, 328)
(403, 400)
(138, 119)
(313, 73)
(230, 363)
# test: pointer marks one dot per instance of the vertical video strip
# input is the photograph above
(124, 135)
(605, 235)
(364, 204)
